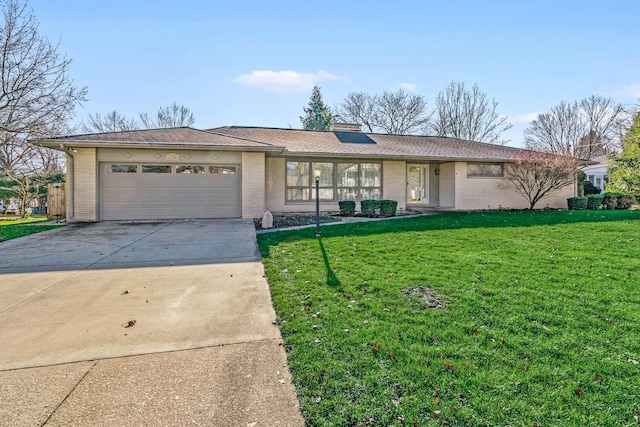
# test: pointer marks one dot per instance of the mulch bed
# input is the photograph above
(286, 220)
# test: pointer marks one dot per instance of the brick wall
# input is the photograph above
(253, 185)
(84, 185)
(394, 182)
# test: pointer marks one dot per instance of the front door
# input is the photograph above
(418, 184)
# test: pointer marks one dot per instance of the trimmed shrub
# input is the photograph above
(619, 200)
(347, 207)
(594, 201)
(610, 201)
(589, 188)
(625, 201)
(388, 207)
(369, 207)
(577, 203)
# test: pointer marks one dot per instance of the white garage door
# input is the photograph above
(169, 191)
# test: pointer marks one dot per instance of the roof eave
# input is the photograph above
(324, 155)
(61, 145)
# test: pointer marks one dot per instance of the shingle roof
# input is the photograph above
(300, 142)
(322, 143)
(181, 137)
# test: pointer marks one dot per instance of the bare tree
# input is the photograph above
(537, 175)
(167, 117)
(112, 122)
(171, 116)
(38, 97)
(400, 112)
(360, 108)
(584, 129)
(468, 114)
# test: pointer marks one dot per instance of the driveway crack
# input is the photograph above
(69, 394)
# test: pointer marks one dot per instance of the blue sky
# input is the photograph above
(254, 62)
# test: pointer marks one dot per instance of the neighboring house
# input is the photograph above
(597, 174)
(236, 171)
(10, 208)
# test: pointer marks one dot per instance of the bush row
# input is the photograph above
(369, 207)
(601, 201)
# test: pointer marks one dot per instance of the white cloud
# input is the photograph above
(523, 118)
(407, 86)
(284, 81)
(628, 91)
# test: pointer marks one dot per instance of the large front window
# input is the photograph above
(337, 181)
(484, 170)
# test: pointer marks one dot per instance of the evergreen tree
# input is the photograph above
(624, 170)
(318, 115)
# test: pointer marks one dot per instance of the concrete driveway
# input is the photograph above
(151, 323)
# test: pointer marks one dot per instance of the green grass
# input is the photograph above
(541, 326)
(11, 228)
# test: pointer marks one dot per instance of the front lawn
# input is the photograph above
(540, 325)
(11, 228)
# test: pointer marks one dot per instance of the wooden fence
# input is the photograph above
(56, 205)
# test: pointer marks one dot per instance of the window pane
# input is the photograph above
(124, 168)
(225, 170)
(190, 169)
(484, 169)
(370, 193)
(326, 173)
(156, 169)
(325, 194)
(370, 175)
(298, 174)
(347, 175)
(347, 193)
(298, 194)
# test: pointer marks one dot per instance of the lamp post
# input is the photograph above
(317, 173)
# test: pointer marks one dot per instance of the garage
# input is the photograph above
(139, 191)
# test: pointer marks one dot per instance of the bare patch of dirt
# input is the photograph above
(429, 297)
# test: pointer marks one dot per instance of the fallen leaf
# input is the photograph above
(448, 366)
(605, 319)
(452, 408)
(397, 400)
(579, 392)
(437, 400)
(599, 377)
(129, 324)
(436, 414)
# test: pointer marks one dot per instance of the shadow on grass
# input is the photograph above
(332, 280)
(448, 221)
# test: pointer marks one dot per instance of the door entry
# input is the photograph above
(418, 184)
